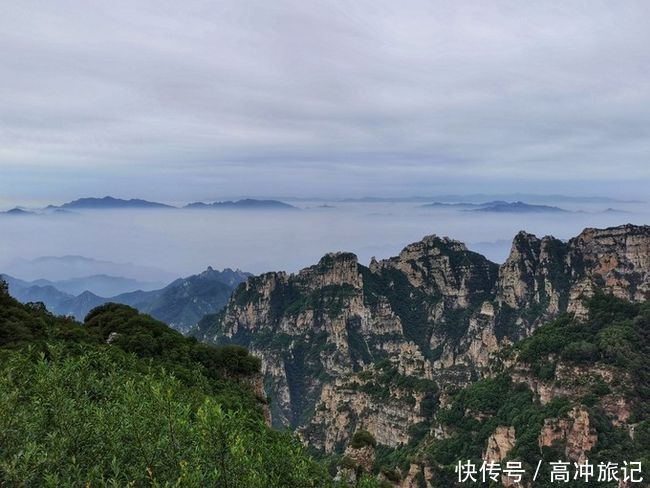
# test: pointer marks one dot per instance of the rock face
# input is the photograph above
(347, 347)
(499, 444)
(549, 276)
(617, 259)
(574, 432)
(363, 457)
(534, 275)
(417, 477)
(358, 458)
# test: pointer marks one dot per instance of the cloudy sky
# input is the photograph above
(191, 100)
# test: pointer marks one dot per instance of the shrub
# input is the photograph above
(362, 438)
(104, 418)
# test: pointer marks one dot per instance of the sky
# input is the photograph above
(199, 100)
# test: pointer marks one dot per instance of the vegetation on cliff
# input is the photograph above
(612, 345)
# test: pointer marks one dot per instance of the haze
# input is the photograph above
(202, 101)
(184, 242)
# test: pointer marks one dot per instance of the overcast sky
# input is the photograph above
(191, 100)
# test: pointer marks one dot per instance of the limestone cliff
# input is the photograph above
(347, 347)
(543, 277)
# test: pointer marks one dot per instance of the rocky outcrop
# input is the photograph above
(534, 277)
(345, 346)
(446, 268)
(549, 276)
(574, 433)
(343, 409)
(358, 458)
(256, 383)
(355, 462)
(616, 259)
(499, 444)
(364, 457)
(417, 476)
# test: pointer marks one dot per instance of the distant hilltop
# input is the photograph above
(17, 211)
(498, 206)
(245, 204)
(109, 202)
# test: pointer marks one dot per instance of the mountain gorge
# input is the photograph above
(386, 348)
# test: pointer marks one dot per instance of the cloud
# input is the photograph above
(217, 98)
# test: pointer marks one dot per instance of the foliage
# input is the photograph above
(152, 408)
(617, 333)
(102, 418)
(614, 334)
(146, 337)
(362, 438)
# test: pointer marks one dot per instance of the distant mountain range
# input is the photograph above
(486, 197)
(245, 204)
(521, 203)
(180, 304)
(111, 203)
(498, 206)
(102, 285)
(518, 207)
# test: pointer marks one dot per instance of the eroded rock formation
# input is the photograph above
(345, 346)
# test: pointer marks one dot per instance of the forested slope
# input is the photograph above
(123, 400)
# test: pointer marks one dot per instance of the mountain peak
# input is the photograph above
(334, 268)
(333, 258)
(524, 242)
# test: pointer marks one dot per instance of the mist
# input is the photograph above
(182, 242)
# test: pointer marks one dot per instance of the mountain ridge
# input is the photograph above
(498, 206)
(244, 204)
(113, 203)
(180, 304)
(109, 202)
(100, 284)
(437, 312)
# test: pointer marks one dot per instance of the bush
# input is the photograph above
(103, 418)
(362, 438)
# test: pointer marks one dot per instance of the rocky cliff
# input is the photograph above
(546, 276)
(346, 347)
